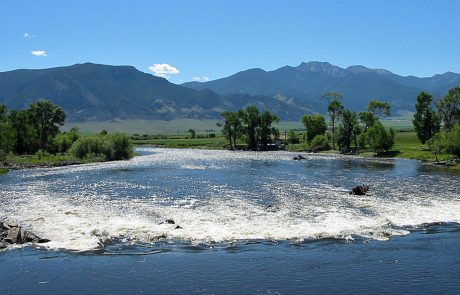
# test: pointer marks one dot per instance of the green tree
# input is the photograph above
(449, 108)
(192, 133)
(368, 119)
(232, 127)
(347, 129)
(334, 109)
(251, 121)
(426, 121)
(378, 107)
(25, 139)
(292, 137)
(380, 139)
(46, 117)
(267, 130)
(5, 131)
(315, 125)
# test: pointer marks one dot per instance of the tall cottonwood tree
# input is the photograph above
(46, 117)
(426, 121)
(449, 108)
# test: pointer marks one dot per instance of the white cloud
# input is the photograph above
(201, 79)
(39, 52)
(28, 35)
(164, 70)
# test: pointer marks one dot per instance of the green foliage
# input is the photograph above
(45, 117)
(368, 119)
(117, 146)
(292, 137)
(2, 156)
(380, 139)
(232, 127)
(64, 141)
(255, 128)
(362, 140)
(348, 129)
(426, 121)
(315, 125)
(334, 109)
(451, 141)
(192, 133)
(377, 107)
(41, 155)
(25, 136)
(449, 108)
(320, 142)
(265, 130)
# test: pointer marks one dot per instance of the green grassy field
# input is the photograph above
(178, 126)
(181, 126)
(218, 142)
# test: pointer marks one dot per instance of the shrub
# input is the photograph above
(362, 140)
(115, 146)
(451, 141)
(292, 137)
(2, 156)
(320, 142)
(380, 139)
(42, 154)
(121, 146)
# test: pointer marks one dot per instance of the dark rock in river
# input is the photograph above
(14, 236)
(299, 157)
(360, 190)
(12, 233)
(170, 221)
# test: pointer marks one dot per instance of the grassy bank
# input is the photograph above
(47, 160)
(217, 143)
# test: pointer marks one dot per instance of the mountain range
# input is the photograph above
(94, 92)
(305, 84)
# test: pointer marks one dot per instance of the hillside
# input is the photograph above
(306, 83)
(93, 92)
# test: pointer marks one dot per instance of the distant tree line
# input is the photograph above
(250, 126)
(36, 131)
(349, 129)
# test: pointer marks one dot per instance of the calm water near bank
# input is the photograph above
(244, 222)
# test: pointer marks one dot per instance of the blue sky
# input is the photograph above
(214, 39)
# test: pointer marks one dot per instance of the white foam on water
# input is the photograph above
(82, 220)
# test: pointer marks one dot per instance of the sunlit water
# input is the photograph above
(224, 197)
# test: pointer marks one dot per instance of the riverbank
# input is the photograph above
(17, 162)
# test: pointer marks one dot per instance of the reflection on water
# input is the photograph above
(223, 198)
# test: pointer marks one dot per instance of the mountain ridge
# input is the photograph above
(309, 80)
(97, 92)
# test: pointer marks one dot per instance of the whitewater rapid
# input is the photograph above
(226, 197)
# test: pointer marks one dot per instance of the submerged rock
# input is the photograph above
(360, 190)
(299, 157)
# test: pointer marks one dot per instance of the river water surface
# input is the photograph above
(296, 217)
